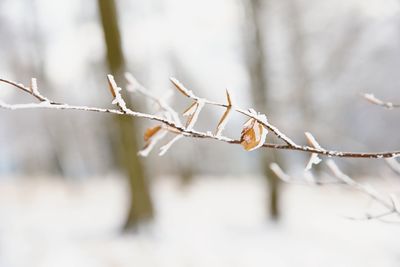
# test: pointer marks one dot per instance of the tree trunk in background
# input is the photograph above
(259, 89)
(301, 75)
(141, 208)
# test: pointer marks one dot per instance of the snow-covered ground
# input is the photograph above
(212, 222)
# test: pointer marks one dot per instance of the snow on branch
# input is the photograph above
(116, 93)
(314, 159)
(376, 101)
(253, 134)
(390, 204)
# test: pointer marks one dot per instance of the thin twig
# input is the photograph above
(135, 86)
(300, 181)
(389, 204)
(376, 101)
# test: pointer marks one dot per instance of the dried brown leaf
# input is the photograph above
(193, 113)
(181, 88)
(224, 119)
(190, 110)
(112, 85)
(150, 132)
(228, 98)
(253, 135)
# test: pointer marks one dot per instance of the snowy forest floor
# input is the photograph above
(218, 221)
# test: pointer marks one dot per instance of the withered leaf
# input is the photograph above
(112, 85)
(224, 119)
(190, 110)
(253, 135)
(181, 88)
(228, 98)
(150, 132)
(193, 113)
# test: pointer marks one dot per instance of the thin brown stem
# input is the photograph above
(187, 132)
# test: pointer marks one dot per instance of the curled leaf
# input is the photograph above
(253, 135)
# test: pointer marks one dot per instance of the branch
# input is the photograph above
(173, 125)
(135, 86)
(376, 101)
(390, 204)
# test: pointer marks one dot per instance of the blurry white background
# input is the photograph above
(63, 198)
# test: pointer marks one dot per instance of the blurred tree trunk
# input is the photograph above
(259, 90)
(302, 80)
(141, 208)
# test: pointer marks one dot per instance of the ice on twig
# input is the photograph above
(166, 147)
(116, 93)
(374, 100)
(314, 159)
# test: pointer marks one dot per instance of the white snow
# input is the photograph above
(216, 221)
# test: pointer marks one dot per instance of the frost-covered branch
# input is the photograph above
(390, 203)
(376, 101)
(253, 133)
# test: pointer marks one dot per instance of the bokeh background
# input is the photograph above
(74, 193)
